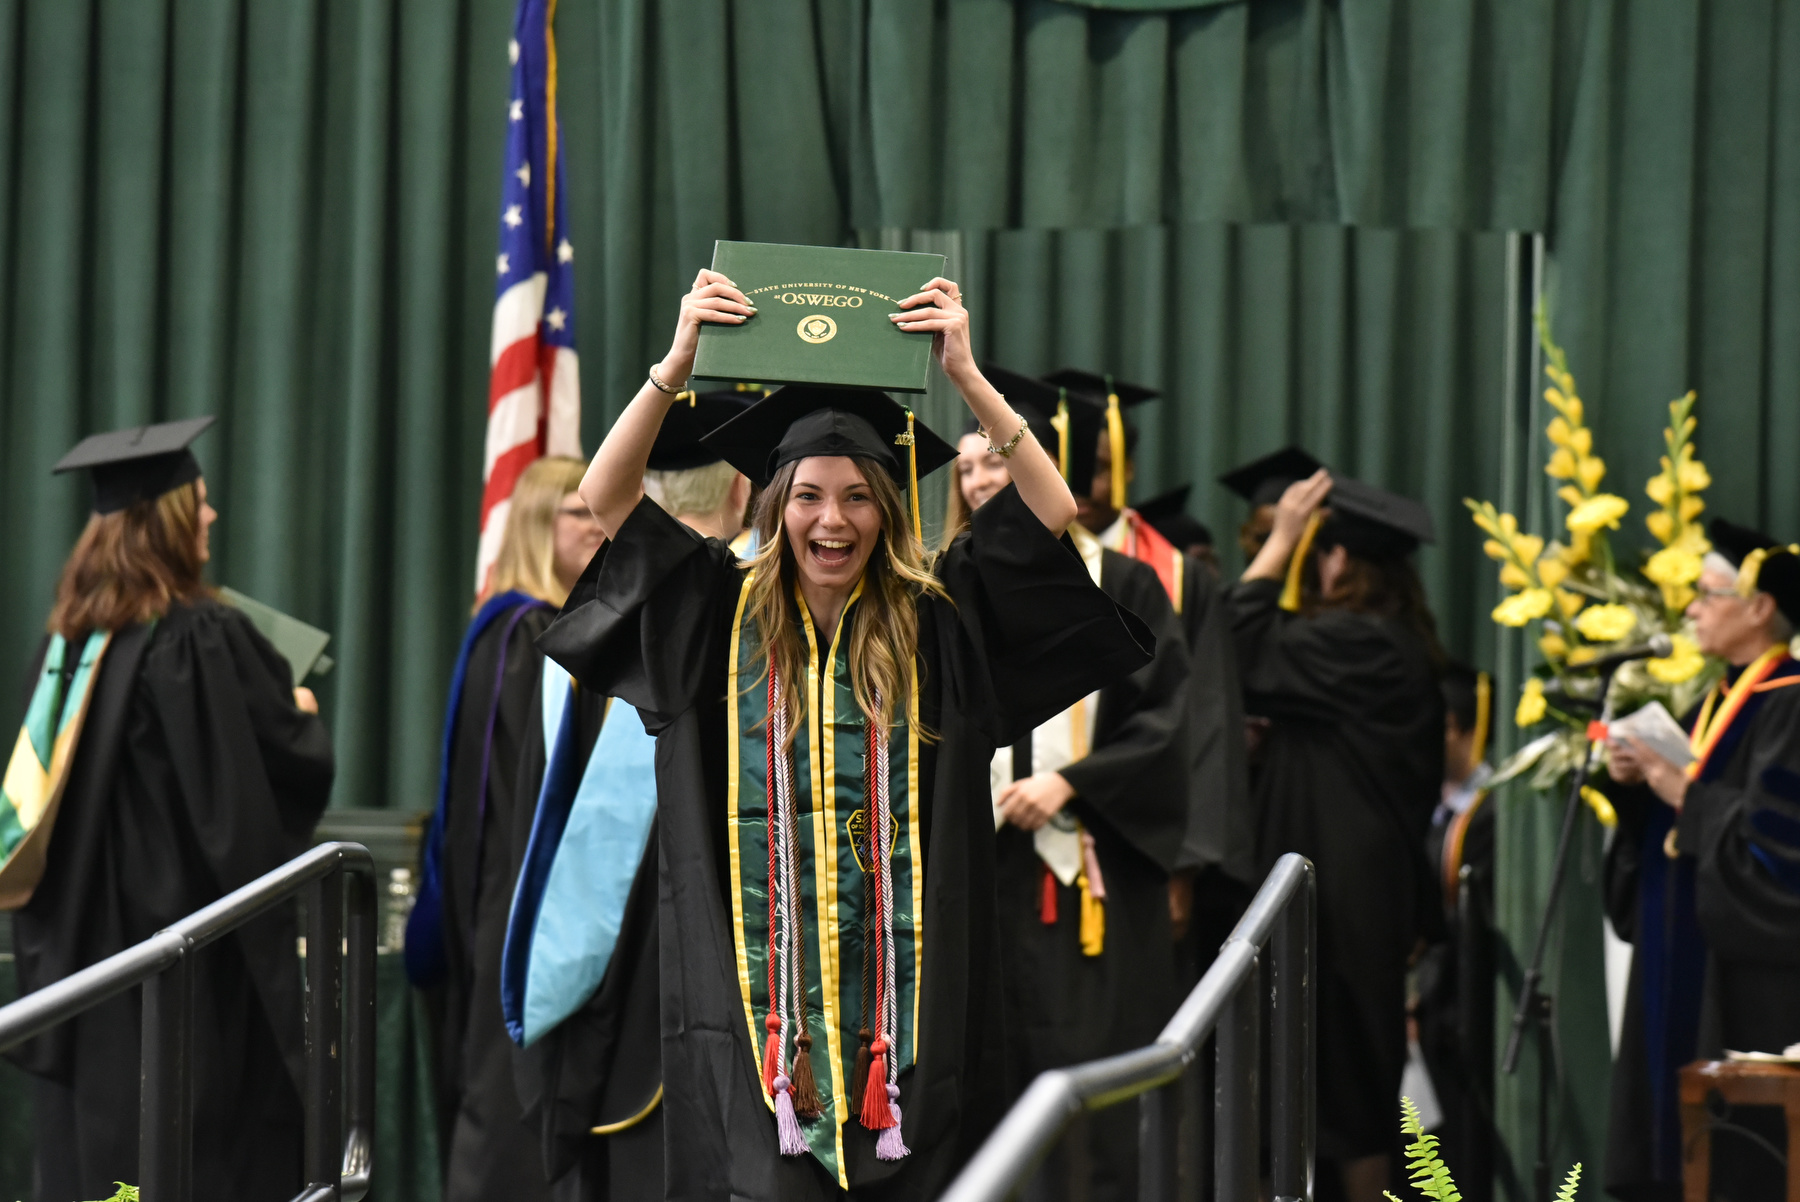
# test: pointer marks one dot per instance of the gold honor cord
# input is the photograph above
(1290, 591)
(1115, 437)
(1484, 710)
(634, 1120)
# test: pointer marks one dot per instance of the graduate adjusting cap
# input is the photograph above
(1763, 565)
(1112, 397)
(1262, 481)
(1372, 523)
(802, 420)
(692, 417)
(137, 464)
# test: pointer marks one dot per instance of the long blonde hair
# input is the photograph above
(527, 558)
(131, 565)
(884, 629)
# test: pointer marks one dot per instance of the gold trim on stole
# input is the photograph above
(733, 773)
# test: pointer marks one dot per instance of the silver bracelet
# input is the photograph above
(1012, 445)
(660, 386)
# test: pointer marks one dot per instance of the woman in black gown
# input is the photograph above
(199, 768)
(1350, 774)
(870, 687)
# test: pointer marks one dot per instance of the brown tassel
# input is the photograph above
(861, 1072)
(806, 1090)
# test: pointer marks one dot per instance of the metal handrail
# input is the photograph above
(340, 975)
(1227, 1001)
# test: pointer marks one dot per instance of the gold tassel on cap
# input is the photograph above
(1115, 437)
(1290, 592)
(1061, 424)
(1484, 709)
(912, 463)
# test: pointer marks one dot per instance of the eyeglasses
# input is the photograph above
(1709, 594)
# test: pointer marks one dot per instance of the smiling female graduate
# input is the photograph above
(871, 685)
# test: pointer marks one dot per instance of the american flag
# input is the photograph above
(534, 391)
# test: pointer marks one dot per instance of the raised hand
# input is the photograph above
(712, 298)
(938, 308)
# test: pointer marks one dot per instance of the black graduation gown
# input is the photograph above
(491, 1151)
(1643, 1156)
(1025, 634)
(195, 774)
(1351, 771)
(1131, 793)
(601, 1066)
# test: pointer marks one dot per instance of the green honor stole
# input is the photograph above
(825, 898)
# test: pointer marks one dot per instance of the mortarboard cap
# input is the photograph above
(1763, 564)
(1110, 398)
(1373, 523)
(137, 464)
(692, 417)
(1262, 481)
(1168, 516)
(1068, 430)
(802, 420)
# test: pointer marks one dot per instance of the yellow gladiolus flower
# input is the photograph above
(1661, 488)
(1552, 571)
(1495, 549)
(1591, 472)
(1602, 807)
(1606, 623)
(1582, 441)
(1673, 565)
(1561, 465)
(1552, 646)
(1528, 547)
(1596, 512)
(1569, 603)
(1691, 507)
(1683, 663)
(1512, 576)
(1531, 703)
(1523, 607)
(1557, 432)
(1570, 495)
(1661, 526)
(1694, 476)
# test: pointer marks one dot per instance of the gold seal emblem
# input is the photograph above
(857, 825)
(816, 328)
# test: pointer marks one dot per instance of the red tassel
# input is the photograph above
(772, 1053)
(1047, 905)
(876, 1114)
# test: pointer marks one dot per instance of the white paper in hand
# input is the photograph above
(1654, 728)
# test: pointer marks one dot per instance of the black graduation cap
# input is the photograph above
(1778, 573)
(1373, 523)
(802, 420)
(137, 464)
(1262, 481)
(693, 416)
(1095, 388)
(1168, 516)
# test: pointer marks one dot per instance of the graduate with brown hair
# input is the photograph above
(188, 766)
(824, 717)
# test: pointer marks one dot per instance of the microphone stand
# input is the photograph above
(1536, 1006)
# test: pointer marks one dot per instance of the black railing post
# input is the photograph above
(165, 1137)
(359, 1034)
(1236, 1105)
(1194, 1160)
(1159, 1119)
(1291, 1049)
(324, 1027)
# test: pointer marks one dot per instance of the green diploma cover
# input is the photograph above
(303, 646)
(822, 317)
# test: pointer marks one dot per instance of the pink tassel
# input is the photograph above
(890, 1146)
(787, 1126)
(1091, 861)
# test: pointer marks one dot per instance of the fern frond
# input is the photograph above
(1567, 1193)
(1425, 1169)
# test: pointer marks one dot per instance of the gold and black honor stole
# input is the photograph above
(824, 910)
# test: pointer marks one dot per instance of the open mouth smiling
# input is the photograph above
(831, 552)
